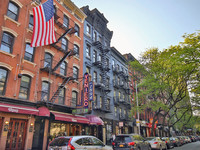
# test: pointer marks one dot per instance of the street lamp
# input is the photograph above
(138, 116)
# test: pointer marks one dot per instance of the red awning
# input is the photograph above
(43, 111)
(95, 120)
(70, 118)
(18, 109)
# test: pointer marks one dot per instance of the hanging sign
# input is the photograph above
(91, 91)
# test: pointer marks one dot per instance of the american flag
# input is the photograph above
(43, 28)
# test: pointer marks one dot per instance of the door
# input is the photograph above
(16, 134)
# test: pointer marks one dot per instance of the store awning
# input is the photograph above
(70, 118)
(43, 111)
(18, 109)
(95, 120)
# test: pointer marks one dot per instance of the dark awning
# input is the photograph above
(70, 118)
(43, 111)
(18, 109)
(95, 120)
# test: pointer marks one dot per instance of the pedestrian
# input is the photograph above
(113, 137)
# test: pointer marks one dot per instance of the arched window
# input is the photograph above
(61, 98)
(64, 44)
(76, 27)
(7, 42)
(74, 98)
(45, 91)
(29, 53)
(24, 90)
(13, 11)
(3, 79)
(48, 60)
(76, 50)
(75, 73)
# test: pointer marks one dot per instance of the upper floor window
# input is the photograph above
(63, 68)
(107, 82)
(115, 111)
(100, 39)
(25, 87)
(108, 103)
(100, 58)
(48, 60)
(117, 67)
(88, 51)
(75, 73)
(7, 42)
(94, 56)
(95, 76)
(61, 98)
(95, 36)
(100, 79)
(113, 63)
(13, 11)
(66, 21)
(95, 99)
(107, 62)
(76, 27)
(88, 29)
(29, 52)
(74, 98)
(76, 50)
(64, 44)
(3, 79)
(30, 25)
(45, 91)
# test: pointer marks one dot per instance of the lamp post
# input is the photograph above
(138, 116)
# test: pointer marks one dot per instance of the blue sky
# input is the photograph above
(141, 24)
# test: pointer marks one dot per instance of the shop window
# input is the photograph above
(13, 11)
(3, 79)
(25, 87)
(29, 52)
(45, 91)
(7, 42)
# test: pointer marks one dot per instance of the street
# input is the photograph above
(189, 146)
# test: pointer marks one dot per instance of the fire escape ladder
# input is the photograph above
(56, 94)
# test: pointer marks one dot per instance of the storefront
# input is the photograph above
(17, 126)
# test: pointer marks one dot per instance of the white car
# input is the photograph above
(77, 143)
(156, 143)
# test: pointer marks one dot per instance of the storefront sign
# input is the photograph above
(91, 91)
(121, 124)
(86, 89)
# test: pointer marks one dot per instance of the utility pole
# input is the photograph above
(138, 116)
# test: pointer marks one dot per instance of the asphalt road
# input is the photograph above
(189, 146)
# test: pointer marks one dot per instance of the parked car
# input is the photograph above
(175, 141)
(168, 142)
(156, 143)
(77, 142)
(181, 140)
(130, 142)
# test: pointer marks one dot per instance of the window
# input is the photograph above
(100, 78)
(95, 36)
(95, 99)
(107, 62)
(66, 21)
(88, 49)
(120, 112)
(75, 73)
(113, 63)
(74, 98)
(100, 58)
(114, 93)
(7, 42)
(64, 44)
(94, 56)
(115, 111)
(30, 25)
(13, 11)
(29, 52)
(3, 79)
(25, 87)
(45, 91)
(88, 69)
(108, 103)
(76, 50)
(88, 30)
(48, 60)
(63, 68)
(95, 76)
(117, 67)
(97, 142)
(76, 27)
(61, 98)
(100, 39)
(101, 102)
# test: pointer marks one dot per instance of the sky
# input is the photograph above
(138, 25)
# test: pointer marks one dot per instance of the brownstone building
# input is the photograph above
(39, 87)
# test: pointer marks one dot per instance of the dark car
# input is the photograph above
(175, 141)
(168, 142)
(130, 142)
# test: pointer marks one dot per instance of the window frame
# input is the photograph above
(64, 46)
(66, 18)
(16, 14)
(61, 98)
(77, 28)
(75, 76)
(88, 51)
(27, 88)
(5, 82)
(45, 61)
(26, 52)
(6, 44)
(47, 92)
(64, 69)
(76, 49)
(76, 98)
(30, 24)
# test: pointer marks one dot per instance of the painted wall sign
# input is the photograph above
(86, 89)
(91, 91)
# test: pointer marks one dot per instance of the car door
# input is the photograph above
(98, 144)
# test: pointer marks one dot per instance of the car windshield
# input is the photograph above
(60, 142)
(124, 139)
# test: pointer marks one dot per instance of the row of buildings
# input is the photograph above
(78, 85)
